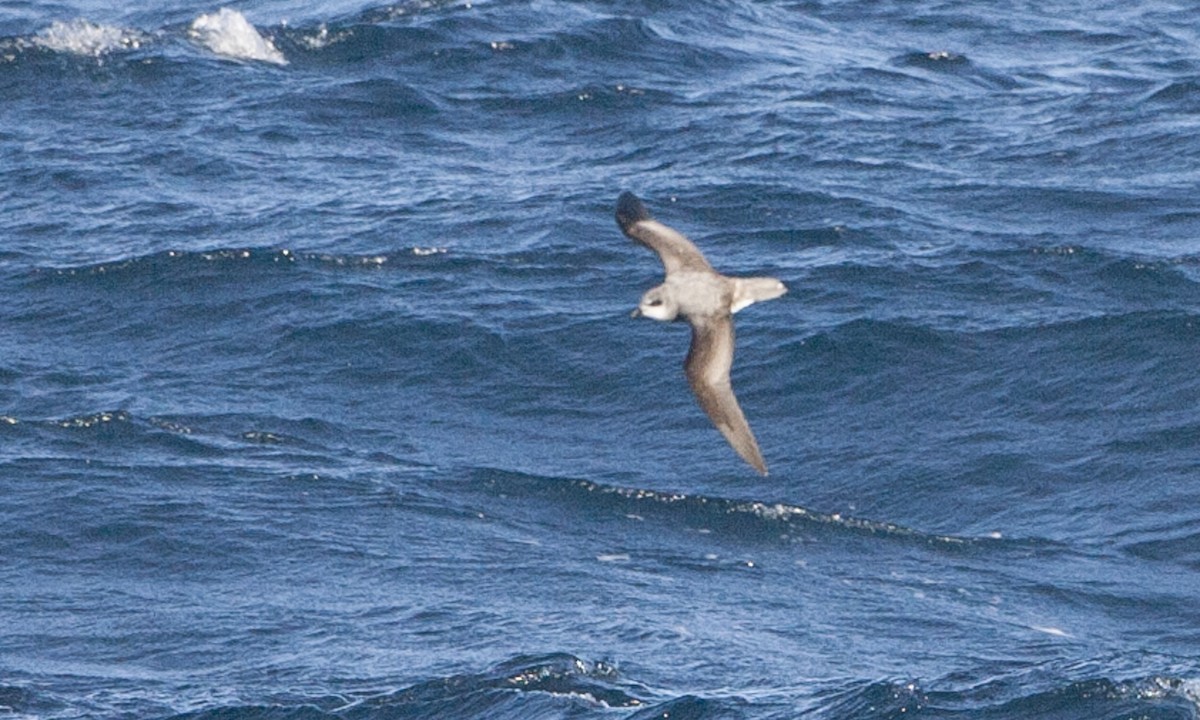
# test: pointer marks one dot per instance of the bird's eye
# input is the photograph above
(655, 302)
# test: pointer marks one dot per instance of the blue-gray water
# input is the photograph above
(319, 397)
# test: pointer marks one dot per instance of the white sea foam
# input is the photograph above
(1057, 632)
(228, 33)
(613, 557)
(81, 37)
(321, 37)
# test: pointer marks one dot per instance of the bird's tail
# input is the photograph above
(747, 291)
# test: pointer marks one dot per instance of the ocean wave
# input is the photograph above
(550, 685)
(174, 439)
(524, 686)
(726, 517)
(557, 679)
(81, 37)
(945, 62)
(1021, 363)
(20, 702)
(1002, 698)
(228, 33)
(562, 685)
(1153, 697)
(170, 261)
(429, 33)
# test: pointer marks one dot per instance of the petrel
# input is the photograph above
(695, 292)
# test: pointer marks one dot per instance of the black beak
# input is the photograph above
(637, 312)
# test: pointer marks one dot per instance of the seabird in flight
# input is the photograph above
(695, 292)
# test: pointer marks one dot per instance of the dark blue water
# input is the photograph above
(319, 397)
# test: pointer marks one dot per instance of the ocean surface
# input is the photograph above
(320, 398)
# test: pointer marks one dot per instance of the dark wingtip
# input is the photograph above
(630, 210)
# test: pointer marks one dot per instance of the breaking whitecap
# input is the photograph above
(228, 33)
(82, 37)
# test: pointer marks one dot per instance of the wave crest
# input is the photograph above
(87, 39)
(547, 685)
(228, 33)
(1153, 697)
(733, 517)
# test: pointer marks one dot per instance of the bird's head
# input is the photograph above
(658, 303)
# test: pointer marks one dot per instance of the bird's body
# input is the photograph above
(700, 294)
(695, 292)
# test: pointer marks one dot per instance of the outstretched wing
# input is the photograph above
(707, 366)
(675, 250)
